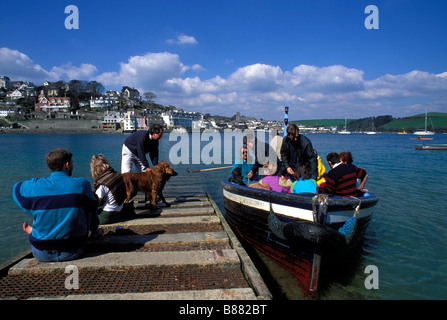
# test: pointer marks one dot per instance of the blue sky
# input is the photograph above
(252, 56)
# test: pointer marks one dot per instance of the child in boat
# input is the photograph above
(109, 187)
(271, 179)
(303, 182)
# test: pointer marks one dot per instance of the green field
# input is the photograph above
(438, 119)
(409, 124)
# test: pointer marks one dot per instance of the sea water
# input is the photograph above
(405, 240)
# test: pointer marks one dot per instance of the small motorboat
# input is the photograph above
(302, 232)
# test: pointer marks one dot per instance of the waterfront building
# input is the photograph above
(102, 102)
(52, 104)
(180, 118)
(129, 121)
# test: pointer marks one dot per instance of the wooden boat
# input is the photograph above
(431, 147)
(299, 231)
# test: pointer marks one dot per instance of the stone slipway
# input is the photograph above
(182, 252)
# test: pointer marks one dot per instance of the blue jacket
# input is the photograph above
(139, 144)
(245, 169)
(63, 210)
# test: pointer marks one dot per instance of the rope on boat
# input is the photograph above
(350, 226)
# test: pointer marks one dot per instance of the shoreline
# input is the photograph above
(54, 131)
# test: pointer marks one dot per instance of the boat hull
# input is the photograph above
(253, 213)
(431, 147)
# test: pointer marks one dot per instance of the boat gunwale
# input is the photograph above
(302, 200)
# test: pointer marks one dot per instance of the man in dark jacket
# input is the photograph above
(297, 149)
(137, 145)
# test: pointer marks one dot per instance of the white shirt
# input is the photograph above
(110, 203)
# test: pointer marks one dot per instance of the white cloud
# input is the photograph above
(150, 71)
(183, 39)
(257, 89)
(19, 66)
(68, 71)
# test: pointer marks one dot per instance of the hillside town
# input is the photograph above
(117, 111)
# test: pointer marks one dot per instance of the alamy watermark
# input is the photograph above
(72, 20)
(212, 147)
(372, 20)
(72, 280)
(372, 280)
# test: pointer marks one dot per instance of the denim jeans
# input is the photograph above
(57, 255)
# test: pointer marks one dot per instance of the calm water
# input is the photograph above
(405, 240)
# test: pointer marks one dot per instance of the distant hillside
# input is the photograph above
(384, 123)
(437, 119)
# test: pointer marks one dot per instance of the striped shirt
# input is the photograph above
(342, 180)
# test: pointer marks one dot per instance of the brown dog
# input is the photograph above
(150, 182)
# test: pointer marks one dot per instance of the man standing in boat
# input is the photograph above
(297, 149)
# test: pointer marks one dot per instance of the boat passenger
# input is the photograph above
(321, 171)
(303, 182)
(245, 163)
(273, 180)
(342, 178)
(297, 149)
(262, 154)
(346, 157)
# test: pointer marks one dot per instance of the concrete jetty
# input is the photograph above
(183, 252)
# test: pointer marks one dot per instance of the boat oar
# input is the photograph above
(348, 229)
(209, 169)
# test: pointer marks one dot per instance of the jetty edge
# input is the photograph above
(183, 252)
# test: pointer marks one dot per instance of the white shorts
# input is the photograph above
(128, 158)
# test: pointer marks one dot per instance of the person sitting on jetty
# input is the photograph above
(303, 182)
(110, 189)
(244, 163)
(137, 145)
(341, 180)
(63, 209)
